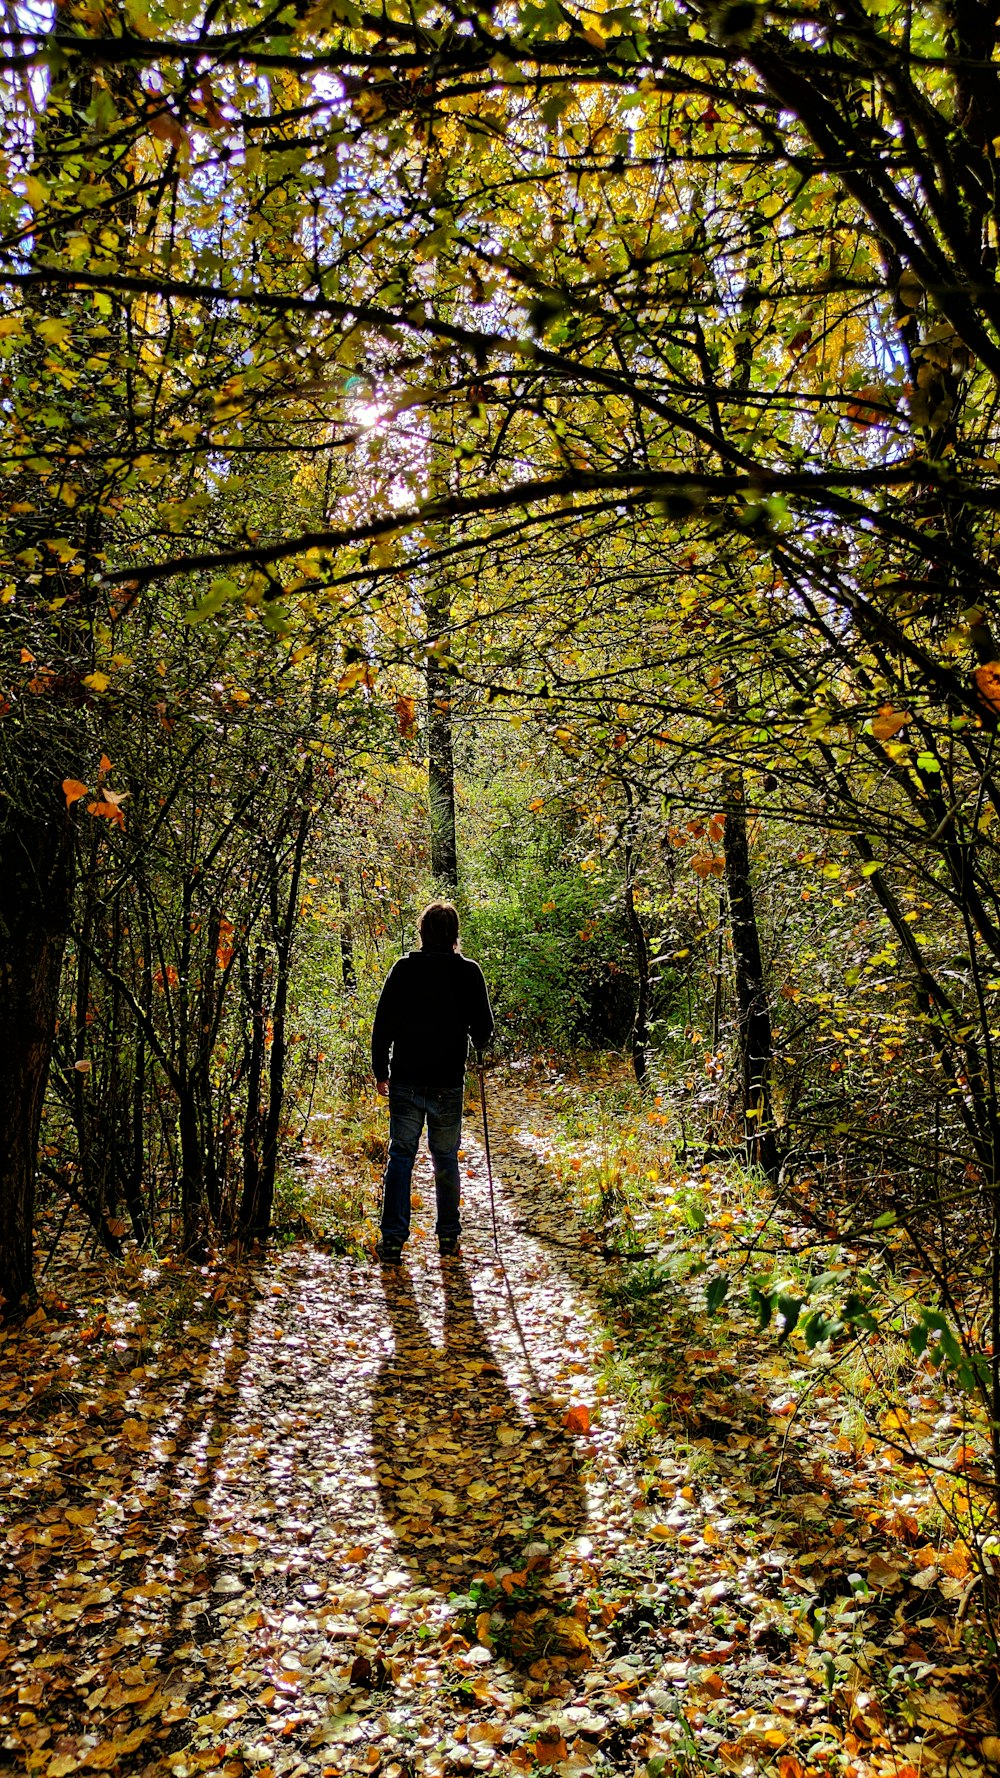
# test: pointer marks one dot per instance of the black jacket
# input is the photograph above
(431, 1004)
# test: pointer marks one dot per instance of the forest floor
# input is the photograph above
(535, 1513)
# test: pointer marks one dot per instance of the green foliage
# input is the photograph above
(554, 953)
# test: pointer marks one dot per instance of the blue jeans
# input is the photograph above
(408, 1108)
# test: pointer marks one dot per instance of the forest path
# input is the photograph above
(318, 1517)
(325, 1516)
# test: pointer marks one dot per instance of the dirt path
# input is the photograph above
(323, 1518)
(352, 1523)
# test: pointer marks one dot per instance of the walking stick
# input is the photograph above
(486, 1144)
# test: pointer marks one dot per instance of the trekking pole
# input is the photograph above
(486, 1144)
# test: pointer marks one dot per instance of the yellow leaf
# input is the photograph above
(97, 681)
(135, 1737)
(103, 1756)
(571, 1633)
(883, 1576)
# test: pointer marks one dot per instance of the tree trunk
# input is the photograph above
(640, 951)
(193, 1230)
(751, 996)
(440, 747)
(253, 995)
(256, 1220)
(36, 877)
(133, 1179)
(42, 737)
(347, 967)
(437, 623)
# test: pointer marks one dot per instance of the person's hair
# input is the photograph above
(438, 927)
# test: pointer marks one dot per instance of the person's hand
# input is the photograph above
(382, 1086)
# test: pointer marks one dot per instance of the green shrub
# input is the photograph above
(557, 961)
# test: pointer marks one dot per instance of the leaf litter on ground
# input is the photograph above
(536, 1513)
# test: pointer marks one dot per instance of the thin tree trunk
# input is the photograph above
(755, 1038)
(437, 622)
(258, 1218)
(202, 1072)
(347, 968)
(133, 1178)
(440, 747)
(640, 951)
(254, 999)
(193, 1231)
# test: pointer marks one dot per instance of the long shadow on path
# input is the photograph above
(468, 1472)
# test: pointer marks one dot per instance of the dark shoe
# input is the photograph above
(389, 1255)
(449, 1247)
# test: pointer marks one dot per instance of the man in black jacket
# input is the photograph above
(432, 1002)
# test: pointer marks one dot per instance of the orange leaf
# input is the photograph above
(704, 866)
(870, 407)
(165, 127)
(888, 722)
(104, 767)
(577, 1419)
(26, 655)
(208, 107)
(110, 812)
(549, 1753)
(406, 716)
(987, 680)
(73, 790)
